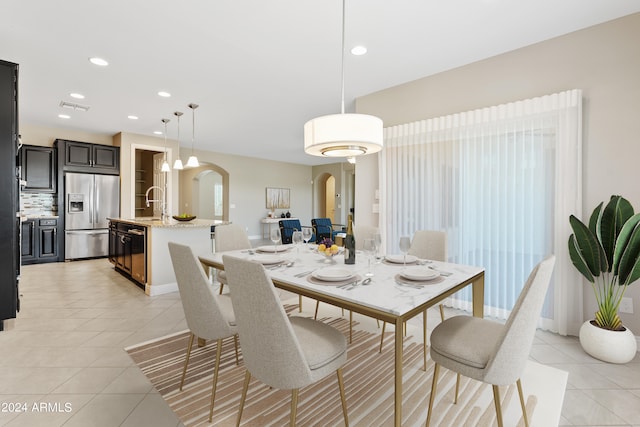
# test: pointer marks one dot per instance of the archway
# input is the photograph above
(205, 192)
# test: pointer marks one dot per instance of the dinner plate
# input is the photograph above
(399, 259)
(267, 259)
(333, 274)
(419, 273)
(273, 248)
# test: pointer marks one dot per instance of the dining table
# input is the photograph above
(400, 288)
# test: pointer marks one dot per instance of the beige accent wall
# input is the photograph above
(603, 61)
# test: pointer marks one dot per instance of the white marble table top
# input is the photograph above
(384, 293)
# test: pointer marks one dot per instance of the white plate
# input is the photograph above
(419, 273)
(332, 274)
(267, 259)
(399, 259)
(273, 248)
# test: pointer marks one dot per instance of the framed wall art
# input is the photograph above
(278, 198)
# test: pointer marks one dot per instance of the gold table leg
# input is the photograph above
(398, 374)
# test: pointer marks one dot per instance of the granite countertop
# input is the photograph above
(170, 223)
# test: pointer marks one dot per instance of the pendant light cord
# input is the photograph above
(342, 63)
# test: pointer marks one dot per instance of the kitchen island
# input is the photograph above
(138, 248)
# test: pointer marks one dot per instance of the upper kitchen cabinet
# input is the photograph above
(85, 157)
(38, 169)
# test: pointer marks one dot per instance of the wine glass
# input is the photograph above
(369, 247)
(405, 244)
(306, 234)
(296, 238)
(377, 241)
(275, 238)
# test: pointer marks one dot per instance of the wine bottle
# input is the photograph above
(350, 244)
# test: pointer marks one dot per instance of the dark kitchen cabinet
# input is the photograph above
(38, 169)
(39, 241)
(76, 156)
(48, 240)
(9, 196)
(28, 241)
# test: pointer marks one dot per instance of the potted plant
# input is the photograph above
(607, 254)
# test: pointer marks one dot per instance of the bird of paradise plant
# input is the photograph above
(607, 254)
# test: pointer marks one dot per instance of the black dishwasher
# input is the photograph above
(137, 234)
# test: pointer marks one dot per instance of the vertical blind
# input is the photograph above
(502, 182)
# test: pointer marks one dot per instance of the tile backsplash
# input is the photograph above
(38, 204)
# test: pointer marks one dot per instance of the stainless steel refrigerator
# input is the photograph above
(89, 200)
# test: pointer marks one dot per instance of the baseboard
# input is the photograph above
(160, 289)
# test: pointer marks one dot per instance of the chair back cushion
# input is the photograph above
(231, 237)
(204, 313)
(363, 232)
(287, 227)
(429, 244)
(270, 348)
(323, 228)
(512, 351)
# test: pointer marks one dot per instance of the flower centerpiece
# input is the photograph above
(328, 248)
(607, 254)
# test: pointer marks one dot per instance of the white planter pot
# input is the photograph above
(608, 346)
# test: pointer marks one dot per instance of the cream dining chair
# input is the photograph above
(283, 352)
(489, 351)
(430, 245)
(229, 237)
(208, 316)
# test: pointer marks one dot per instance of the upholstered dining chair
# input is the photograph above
(489, 351)
(208, 316)
(283, 352)
(431, 245)
(325, 228)
(363, 232)
(287, 227)
(229, 237)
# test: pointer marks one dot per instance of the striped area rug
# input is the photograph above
(368, 377)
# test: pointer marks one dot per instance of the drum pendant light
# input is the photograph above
(343, 135)
(165, 165)
(193, 160)
(178, 163)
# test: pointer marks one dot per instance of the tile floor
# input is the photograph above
(62, 361)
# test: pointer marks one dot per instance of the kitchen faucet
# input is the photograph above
(163, 213)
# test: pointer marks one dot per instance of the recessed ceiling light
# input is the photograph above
(164, 94)
(98, 61)
(359, 50)
(64, 116)
(157, 132)
(132, 117)
(76, 95)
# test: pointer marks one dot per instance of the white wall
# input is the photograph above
(603, 61)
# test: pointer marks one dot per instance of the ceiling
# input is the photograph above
(258, 69)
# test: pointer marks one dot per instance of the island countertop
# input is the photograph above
(170, 223)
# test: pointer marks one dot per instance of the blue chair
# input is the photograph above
(287, 227)
(324, 228)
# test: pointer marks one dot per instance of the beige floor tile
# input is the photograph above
(624, 404)
(581, 410)
(105, 410)
(89, 380)
(33, 380)
(132, 380)
(152, 411)
(47, 411)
